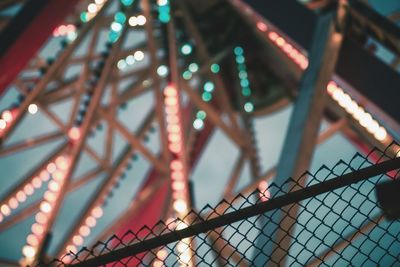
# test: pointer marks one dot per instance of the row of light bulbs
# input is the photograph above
(75, 132)
(198, 123)
(175, 145)
(130, 60)
(68, 30)
(178, 179)
(29, 188)
(293, 53)
(243, 78)
(363, 117)
(84, 231)
(338, 94)
(248, 106)
(58, 171)
(92, 10)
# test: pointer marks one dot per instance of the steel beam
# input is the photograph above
(149, 27)
(77, 147)
(343, 242)
(301, 136)
(135, 142)
(213, 114)
(50, 74)
(30, 143)
(103, 189)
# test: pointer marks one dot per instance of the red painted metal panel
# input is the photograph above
(32, 39)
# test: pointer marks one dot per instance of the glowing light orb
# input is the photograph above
(28, 251)
(139, 55)
(97, 212)
(180, 205)
(262, 26)
(7, 116)
(45, 207)
(5, 209)
(74, 133)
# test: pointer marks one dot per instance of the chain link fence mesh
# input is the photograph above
(336, 221)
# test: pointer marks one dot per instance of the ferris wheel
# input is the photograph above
(132, 109)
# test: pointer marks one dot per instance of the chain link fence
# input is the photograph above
(329, 218)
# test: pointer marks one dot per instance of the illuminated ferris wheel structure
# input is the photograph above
(164, 57)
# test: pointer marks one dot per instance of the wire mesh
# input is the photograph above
(335, 221)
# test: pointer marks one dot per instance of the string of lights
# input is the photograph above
(248, 107)
(337, 93)
(28, 187)
(243, 79)
(206, 95)
(180, 191)
(163, 11)
(97, 211)
(176, 139)
(92, 10)
(174, 129)
(130, 60)
(68, 33)
(114, 34)
(97, 207)
(35, 240)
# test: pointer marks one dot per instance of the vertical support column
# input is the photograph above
(151, 43)
(179, 169)
(275, 240)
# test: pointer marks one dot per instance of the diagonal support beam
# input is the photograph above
(149, 27)
(223, 99)
(347, 240)
(53, 70)
(302, 135)
(212, 113)
(78, 145)
(135, 142)
(102, 191)
(30, 143)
